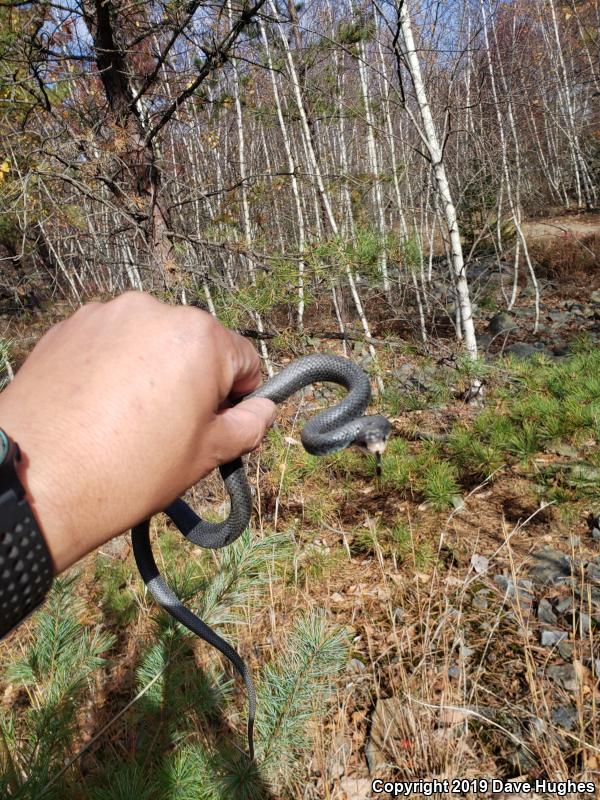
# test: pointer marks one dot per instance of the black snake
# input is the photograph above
(329, 431)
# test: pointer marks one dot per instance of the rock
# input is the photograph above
(561, 349)
(454, 672)
(501, 323)
(596, 534)
(565, 650)
(545, 612)
(552, 638)
(592, 571)
(575, 541)
(537, 726)
(523, 760)
(479, 601)
(565, 717)
(339, 755)
(356, 665)
(117, 547)
(480, 564)
(581, 474)
(559, 318)
(595, 296)
(391, 725)
(523, 350)
(520, 593)
(457, 502)
(564, 449)
(356, 788)
(565, 605)
(549, 566)
(452, 716)
(398, 615)
(585, 623)
(565, 675)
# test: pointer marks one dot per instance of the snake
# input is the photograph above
(329, 431)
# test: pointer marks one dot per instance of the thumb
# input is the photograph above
(240, 429)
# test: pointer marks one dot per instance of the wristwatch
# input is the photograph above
(25, 563)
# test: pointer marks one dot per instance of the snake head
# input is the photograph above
(373, 434)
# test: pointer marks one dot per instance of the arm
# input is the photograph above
(121, 408)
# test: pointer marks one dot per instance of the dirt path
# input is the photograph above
(564, 225)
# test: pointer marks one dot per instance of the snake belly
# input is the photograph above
(327, 432)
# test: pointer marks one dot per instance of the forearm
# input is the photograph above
(119, 410)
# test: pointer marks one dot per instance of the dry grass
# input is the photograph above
(569, 256)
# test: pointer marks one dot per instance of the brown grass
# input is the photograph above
(568, 256)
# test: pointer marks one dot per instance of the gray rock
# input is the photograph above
(561, 349)
(592, 571)
(595, 296)
(565, 605)
(479, 601)
(580, 474)
(549, 566)
(552, 638)
(565, 449)
(559, 318)
(565, 717)
(457, 502)
(565, 675)
(585, 623)
(523, 350)
(537, 726)
(356, 665)
(523, 760)
(521, 593)
(596, 534)
(565, 650)
(398, 615)
(454, 672)
(117, 547)
(501, 323)
(575, 541)
(545, 612)
(339, 756)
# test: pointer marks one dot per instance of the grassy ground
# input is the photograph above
(462, 688)
(370, 611)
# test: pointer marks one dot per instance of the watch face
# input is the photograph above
(4, 446)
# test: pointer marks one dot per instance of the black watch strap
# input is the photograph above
(25, 563)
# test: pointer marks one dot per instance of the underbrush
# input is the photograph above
(568, 256)
(106, 697)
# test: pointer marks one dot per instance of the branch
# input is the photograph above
(214, 59)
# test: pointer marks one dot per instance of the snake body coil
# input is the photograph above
(329, 431)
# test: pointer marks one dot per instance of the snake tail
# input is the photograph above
(166, 597)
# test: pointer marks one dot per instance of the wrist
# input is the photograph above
(27, 567)
(38, 473)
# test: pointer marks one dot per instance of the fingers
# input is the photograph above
(247, 376)
(240, 429)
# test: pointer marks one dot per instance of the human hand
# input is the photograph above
(121, 408)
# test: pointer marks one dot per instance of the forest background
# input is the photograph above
(412, 184)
